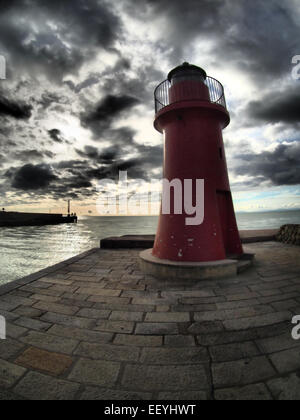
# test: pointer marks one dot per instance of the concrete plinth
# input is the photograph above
(166, 269)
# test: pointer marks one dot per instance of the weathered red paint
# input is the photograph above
(194, 149)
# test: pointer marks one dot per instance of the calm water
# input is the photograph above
(25, 250)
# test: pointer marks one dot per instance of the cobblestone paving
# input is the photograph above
(96, 328)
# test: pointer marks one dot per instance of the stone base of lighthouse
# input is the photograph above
(170, 270)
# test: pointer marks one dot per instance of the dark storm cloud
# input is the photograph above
(93, 79)
(29, 155)
(56, 36)
(5, 131)
(11, 108)
(278, 106)
(104, 112)
(56, 135)
(110, 161)
(78, 183)
(7, 146)
(42, 182)
(49, 98)
(71, 180)
(75, 178)
(100, 117)
(112, 171)
(280, 167)
(111, 78)
(107, 156)
(84, 21)
(117, 81)
(68, 164)
(123, 136)
(241, 186)
(151, 156)
(89, 152)
(31, 177)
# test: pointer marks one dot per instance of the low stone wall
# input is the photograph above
(289, 234)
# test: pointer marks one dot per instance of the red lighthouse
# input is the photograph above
(191, 113)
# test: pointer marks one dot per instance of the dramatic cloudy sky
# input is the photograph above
(77, 104)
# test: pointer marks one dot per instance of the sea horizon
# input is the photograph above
(150, 215)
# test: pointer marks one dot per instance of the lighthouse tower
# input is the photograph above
(191, 113)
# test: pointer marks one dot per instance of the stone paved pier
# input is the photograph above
(95, 327)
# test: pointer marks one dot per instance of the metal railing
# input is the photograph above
(215, 88)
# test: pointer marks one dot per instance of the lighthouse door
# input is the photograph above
(223, 201)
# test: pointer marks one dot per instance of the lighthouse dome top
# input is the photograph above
(187, 70)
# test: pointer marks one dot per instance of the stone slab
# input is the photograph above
(147, 241)
(38, 359)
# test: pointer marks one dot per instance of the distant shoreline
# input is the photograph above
(156, 215)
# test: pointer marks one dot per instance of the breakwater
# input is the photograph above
(14, 219)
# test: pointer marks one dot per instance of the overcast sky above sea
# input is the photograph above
(77, 103)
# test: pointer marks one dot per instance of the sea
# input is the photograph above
(26, 250)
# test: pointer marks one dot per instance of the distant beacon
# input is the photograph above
(191, 113)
